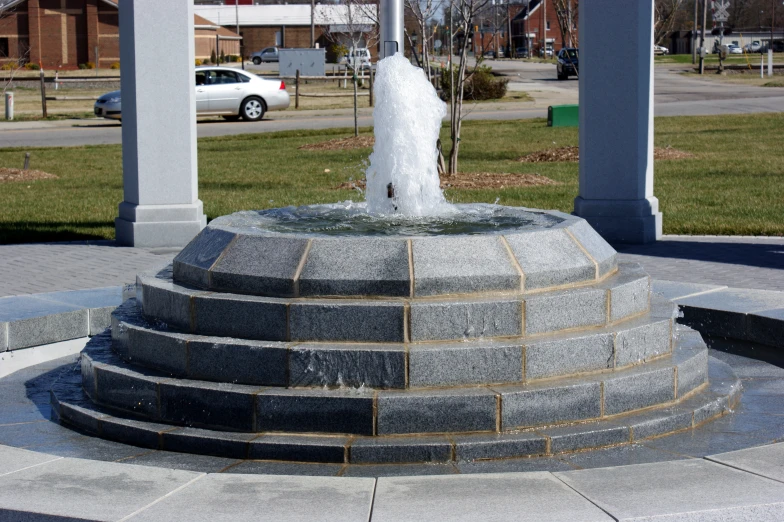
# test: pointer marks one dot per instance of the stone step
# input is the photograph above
(73, 408)
(391, 365)
(623, 295)
(232, 259)
(365, 411)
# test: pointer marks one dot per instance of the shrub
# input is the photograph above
(30, 66)
(89, 65)
(7, 66)
(222, 57)
(198, 62)
(115, 66)
(482, 85)
(234, 58)
(213, 57)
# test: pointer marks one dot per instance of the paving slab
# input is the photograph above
(679, 490)
(767, 461)
(676, 290)
(83, 489)
(267, 498)
(534, 496)
(14, 459)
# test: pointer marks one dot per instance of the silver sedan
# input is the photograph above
(220, 91)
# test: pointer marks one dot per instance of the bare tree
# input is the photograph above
(356, 23)
(566, 12)
(423, 12)
(462, 14)
(666, 15)
(13, 64)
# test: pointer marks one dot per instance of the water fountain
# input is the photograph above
(387, 332)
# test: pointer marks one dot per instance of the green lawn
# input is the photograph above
(734, 185)
(713, 59)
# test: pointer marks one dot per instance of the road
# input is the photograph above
(674, 95)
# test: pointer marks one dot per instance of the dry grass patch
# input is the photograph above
(573, 154)
(354, 142)
(475, 180)
(9, 175)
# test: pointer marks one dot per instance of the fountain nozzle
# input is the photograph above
(390, 190)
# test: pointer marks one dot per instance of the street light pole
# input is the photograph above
(702, 37)
(694, 32)
(237, 20)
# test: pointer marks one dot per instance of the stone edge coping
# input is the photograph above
(32, 320)
(757, 490)
(755, 316)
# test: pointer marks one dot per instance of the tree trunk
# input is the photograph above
(356, 120)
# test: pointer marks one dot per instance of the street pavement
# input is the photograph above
(674, 95)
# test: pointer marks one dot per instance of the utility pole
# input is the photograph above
(237, 20)
(702, 37)
(508, 30)
(313, 24)
(544, 29)
(694, 32)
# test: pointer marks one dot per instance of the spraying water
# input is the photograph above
(402, 178)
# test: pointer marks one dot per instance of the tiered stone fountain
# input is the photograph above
(483, 332)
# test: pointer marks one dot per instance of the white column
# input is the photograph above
(161, 206)
(616, 121)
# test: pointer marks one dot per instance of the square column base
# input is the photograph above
(158, 225)
(622, 221)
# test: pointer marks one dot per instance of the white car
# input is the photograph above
(220, 91)
(734, 49)
(660, 49)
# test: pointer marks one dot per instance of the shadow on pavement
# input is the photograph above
(761, 255)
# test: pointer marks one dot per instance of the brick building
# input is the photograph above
(289, 25)
(536, 25)
(66, 33)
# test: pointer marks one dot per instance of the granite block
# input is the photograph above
(259, 265)
(200, 403)
(99, 319)
(15, 459)
(123, 317)
(713, 322)
(604, 255)
(462, 265)
(349, 320)
(498, 446)
(436, 411)
(586, 436)
(130, 431)
(76, 489)
(46, 329)
(566, 355)
(165, 351)
(520, 465)
(207, 442)
(692, 370)
(708, 410)
(550, 258)
(267, 467)
(247, 317)
(165, 301)
(693, 490)
(766, 327)
(3, 336)
(316, 410)
(84, 419)
(643, 342)
(638, 390)
(629, 291)
(355, 365)
(193, 262)
(182, 461)
(31, 307)
(259, 497)
(400, 449)
(673, 290)
(302, 449)
(565, 309)
(240, 361)
(397, 470)
(452, 320)
(482, 362)
(539, 404)
(624, 455)
(356, 267)
(652, 424)
(525, 497)
(88, 376)
(107, 297)
(766, 461)
(126, 390)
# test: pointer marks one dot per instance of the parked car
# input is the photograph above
(358, 58)
(660, 50)
(521, 52)
(568, 63)
(220, 91)
(545, 52)
(753, 47)
(734, 49)
(270, 54)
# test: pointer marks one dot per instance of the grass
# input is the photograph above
(713, 59)
(734, 185)
(751, 78)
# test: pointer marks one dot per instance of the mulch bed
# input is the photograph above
(573, 154)
(474, 180)
(354, 142)
(8, 175)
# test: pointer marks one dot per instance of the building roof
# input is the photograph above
(528, 10)
(288, 15)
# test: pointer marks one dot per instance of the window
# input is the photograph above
(201, 78)
(244, 78)
(548, 25)
(3, 47)
(223, 77)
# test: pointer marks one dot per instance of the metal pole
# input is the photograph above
(237, 20)
(371, 87)
(694, 32)
(43, 95)
(702, 37)
(296, 91)
(544, 29)
(391, 21)
(312, 24)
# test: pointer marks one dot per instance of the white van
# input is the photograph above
(358, 58)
